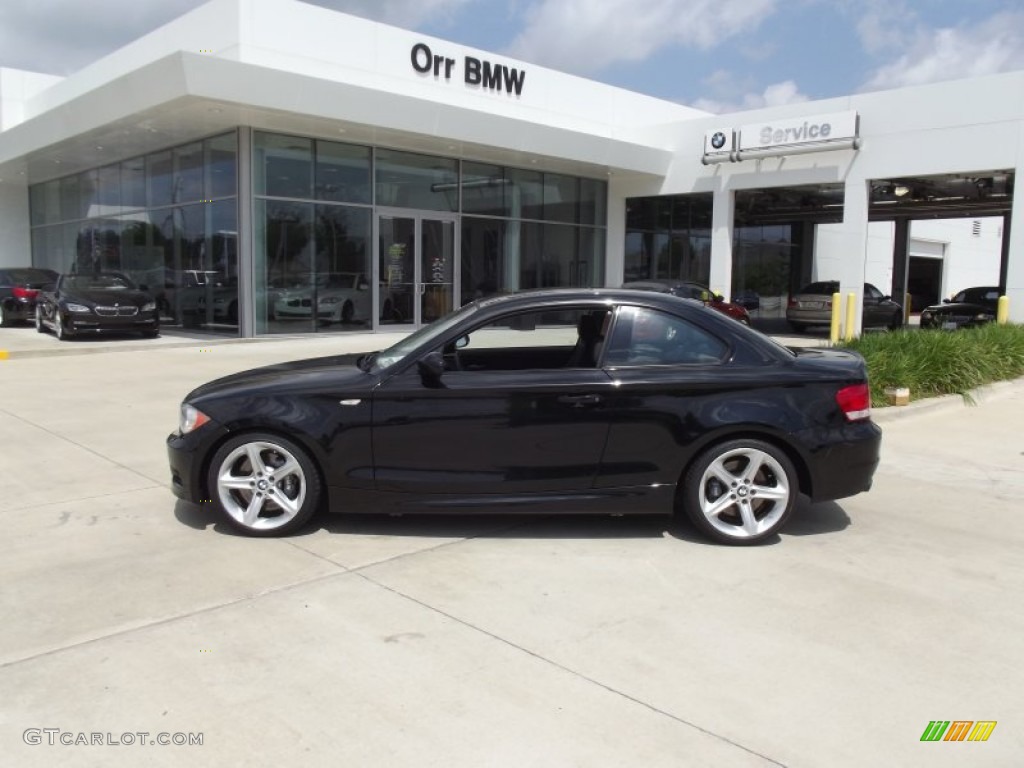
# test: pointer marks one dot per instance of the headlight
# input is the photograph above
(190, 418)
(77, 308)
(149, 306)
(982, 317)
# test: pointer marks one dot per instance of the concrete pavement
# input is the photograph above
(504, 641)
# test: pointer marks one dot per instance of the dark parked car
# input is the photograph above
(688, 290)
(968, 308)
(97, 303)
(19, 287)
(590, 401)
(812, 305)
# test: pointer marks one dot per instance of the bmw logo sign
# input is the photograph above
(718, 140)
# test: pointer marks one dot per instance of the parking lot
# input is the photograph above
(498, 641)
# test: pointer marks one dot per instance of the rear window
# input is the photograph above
(823, 289)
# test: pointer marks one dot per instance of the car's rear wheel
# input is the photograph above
(263, 484)
(740, 491)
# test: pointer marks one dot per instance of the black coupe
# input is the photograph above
(107, 302)
(592, 401)
(969, 308)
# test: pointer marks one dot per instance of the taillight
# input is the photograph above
(855, 402)
(24, 293)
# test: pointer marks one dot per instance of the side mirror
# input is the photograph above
(462, 341)
(945, 301)
(431, 367)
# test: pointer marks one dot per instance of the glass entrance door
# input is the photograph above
(416, 261)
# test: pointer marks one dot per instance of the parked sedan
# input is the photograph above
(812, 305)
(968, 308)
(340, 298)
(101, 303)
(689, 290)
(19, 288)
(590, 401)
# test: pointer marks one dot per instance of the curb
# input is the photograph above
(946, 403)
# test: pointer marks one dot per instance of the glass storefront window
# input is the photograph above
(88, 184)
(133, 183)
(423, 182)
(221, 166)
(70, 203)
(108, 190)
(525, 194)
(484, 266)
(342, 172)
(593, 202)
(668, 237)
(283, 166)
(561, 198)
(483, 189)
(159, 179)
(188, 173)
(284, 266)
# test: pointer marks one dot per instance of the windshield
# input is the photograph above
(96, 282)
(388, 357)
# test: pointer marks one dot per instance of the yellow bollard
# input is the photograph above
(851, 311)
(837, 301)
(1003, 310)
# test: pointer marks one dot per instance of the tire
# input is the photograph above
(347, 312)
(740, 491)
(896, 322)
(40, 328)
(59, 330)
(150, 334)
(4, 322)
(234, 483)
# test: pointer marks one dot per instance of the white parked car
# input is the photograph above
(341, 297)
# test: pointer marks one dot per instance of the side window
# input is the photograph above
(870, 292)
(540, 339)
(649, 337)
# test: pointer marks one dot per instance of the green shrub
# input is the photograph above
(934, 363)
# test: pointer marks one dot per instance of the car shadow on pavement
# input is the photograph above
(808, 519)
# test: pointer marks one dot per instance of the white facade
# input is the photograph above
(288, 67)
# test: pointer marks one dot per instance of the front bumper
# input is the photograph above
(90, 323)
(188, 456)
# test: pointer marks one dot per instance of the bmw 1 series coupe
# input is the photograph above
(606, 401)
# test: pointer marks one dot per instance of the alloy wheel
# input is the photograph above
(261, 485)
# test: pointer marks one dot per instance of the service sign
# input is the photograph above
(717, 141)
(794, 132)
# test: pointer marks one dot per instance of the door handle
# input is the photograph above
(580, 401)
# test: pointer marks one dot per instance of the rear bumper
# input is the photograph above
(845, 468)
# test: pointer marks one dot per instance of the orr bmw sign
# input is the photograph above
(839, 130)
(485, 74)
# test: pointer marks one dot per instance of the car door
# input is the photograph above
(513, 413)
(669, 375)
(877, 311)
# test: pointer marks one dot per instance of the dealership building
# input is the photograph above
(269, 166)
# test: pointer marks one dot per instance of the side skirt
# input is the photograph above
(639, 500)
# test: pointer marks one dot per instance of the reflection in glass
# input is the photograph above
(282, 166)
(342, 172)
(221, 166)
(483, 189)
(284, 269)
(483, 258)
(409, 180)
(437, 246)
(397, 269)
(133, 183)
(342, 285)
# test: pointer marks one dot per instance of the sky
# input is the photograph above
(716, 55)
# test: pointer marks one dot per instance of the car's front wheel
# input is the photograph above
(740, 491)
(59, 330)
(40, 328)
(263, 484)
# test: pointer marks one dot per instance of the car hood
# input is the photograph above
(339, 373)
(108, 298)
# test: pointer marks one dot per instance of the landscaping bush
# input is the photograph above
(934, 362)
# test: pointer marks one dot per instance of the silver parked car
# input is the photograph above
(812, 306)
